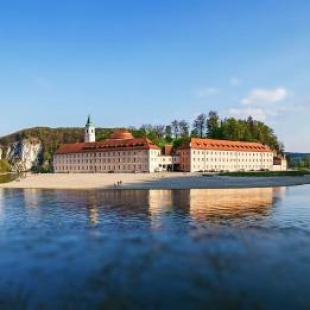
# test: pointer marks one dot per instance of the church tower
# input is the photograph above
(89, 135)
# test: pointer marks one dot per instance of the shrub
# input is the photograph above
(4, 166)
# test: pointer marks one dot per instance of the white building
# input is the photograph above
(224, 155)
(121, 152)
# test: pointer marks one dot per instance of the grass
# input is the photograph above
(4, 166)
(290, 173)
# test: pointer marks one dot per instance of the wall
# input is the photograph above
(116, 161)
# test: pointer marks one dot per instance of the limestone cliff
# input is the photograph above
(34, 147)
(23, 154)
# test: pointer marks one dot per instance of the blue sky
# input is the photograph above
(130, 62)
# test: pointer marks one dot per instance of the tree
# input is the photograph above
(175, 126)
(184, 128)
(194, 133)
(199, 125)
(146, 128)
(307, 162)
(159, 131)
(250, 126)
(281, 148)
(213, 125)
(168, 133)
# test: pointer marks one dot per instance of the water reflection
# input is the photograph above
(215, 203)
(154, 205)
(1, 203)
(33, 198)
(230, 203)
(92, 208)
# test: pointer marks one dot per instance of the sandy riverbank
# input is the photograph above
(148, 181)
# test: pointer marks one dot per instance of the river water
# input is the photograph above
(155, 249)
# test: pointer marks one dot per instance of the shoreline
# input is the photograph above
(145, 181)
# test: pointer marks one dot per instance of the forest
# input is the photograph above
(213, 127)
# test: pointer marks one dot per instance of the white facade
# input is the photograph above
(89, 133)
(109, 161)
(192, 160)
(279, 164)
(121, 152)
(224, 155)
(167, 162)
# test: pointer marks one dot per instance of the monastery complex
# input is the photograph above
(121, 152)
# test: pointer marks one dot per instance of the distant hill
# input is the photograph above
(52, 138)
(298, 160)
(296, 156)
(40, 143)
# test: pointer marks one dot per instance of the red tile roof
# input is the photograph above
(108, 145)
(121, 134)
(225, 145)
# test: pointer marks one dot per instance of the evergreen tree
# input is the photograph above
(168, 134)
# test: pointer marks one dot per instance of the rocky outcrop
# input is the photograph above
(23, 154)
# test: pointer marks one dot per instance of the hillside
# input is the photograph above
(33, 147)
(41, 142)
(295, 155)
(52, 138)
(298, 160)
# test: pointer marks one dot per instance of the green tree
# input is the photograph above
(175, 126)
(213, 125)
(184, 129)
(168, 134)
(199, 125)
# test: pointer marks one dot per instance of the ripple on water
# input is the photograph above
(187, 248)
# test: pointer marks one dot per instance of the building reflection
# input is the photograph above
(156, 205)
(205, 204)
(99, 204)
(32, 198)
(229, 203)
(160, 201)
(92, 208)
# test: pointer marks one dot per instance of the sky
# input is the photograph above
(133, 62)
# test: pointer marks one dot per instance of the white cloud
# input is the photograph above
(256, 113)
(207, 92)
(234, 81)
(261, 96)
